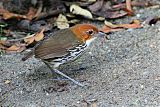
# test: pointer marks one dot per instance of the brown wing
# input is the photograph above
(56, 45)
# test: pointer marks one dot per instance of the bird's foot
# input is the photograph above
(68, 78)
(59, 79)
(55, 71)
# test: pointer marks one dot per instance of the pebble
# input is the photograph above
(138, 15)
(0, 90)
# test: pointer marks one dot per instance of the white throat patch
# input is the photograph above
(88, 42)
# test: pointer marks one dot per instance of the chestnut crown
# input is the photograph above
(84, 32)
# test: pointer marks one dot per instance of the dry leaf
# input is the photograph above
(134, 24)
(128, 7)
(110, 27)
(2, 47)
(62, 22)
(2, 42)
(29, 39)
(88, 0)
(74, 21)
(16, 48)
(39, 9)
(107, 29)
(9, 15)
(34, 37)
(110, 14)
(31, 13)
(7, 81)
(133, 3)
(13, 48)
(109, 24)
(2, 11)
(96, 6)
(103, 8)
(100, 18)
(75, 9)
(39, 36)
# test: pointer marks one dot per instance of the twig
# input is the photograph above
(52, 13)
(39, 9)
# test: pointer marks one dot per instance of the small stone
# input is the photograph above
(130, 30)
(142, 86)
(21, 92)
(90, 53)
(138, 15)
(47, 94)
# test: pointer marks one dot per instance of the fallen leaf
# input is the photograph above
(75, 9)
(74, 21)
(62, 22)
(16, 48)
(39, 36)
(128, 8)
(103, 9)
(39, 9)
(7, 82)
(13, 48)
(96, 6)
(12, 15)
(107, 29)
(34, 37)
(100, 18)
(110, 14)
(2, 42)
(2, 11)
(7, 15)
(88, 0)
(134, 24)
(31, 13)
(29, 39)
(110, 27)
(2, 47)
(109, 24)
(133, 3)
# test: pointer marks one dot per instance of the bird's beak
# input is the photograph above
(102, 34)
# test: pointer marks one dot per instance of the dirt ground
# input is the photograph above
(122, 72)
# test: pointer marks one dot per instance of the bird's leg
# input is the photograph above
(62, 74)
(76, 82)
(53, 73)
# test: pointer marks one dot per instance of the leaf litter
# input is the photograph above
(40, 19)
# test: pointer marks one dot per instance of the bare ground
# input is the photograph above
(123, 71)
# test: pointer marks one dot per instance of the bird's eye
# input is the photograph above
(90, 32)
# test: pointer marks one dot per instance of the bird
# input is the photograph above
(64, 46)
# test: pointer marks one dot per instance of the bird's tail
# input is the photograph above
(28, 55)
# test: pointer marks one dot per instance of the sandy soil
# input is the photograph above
(124, 71)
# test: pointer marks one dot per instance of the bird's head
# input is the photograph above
(86, 32)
